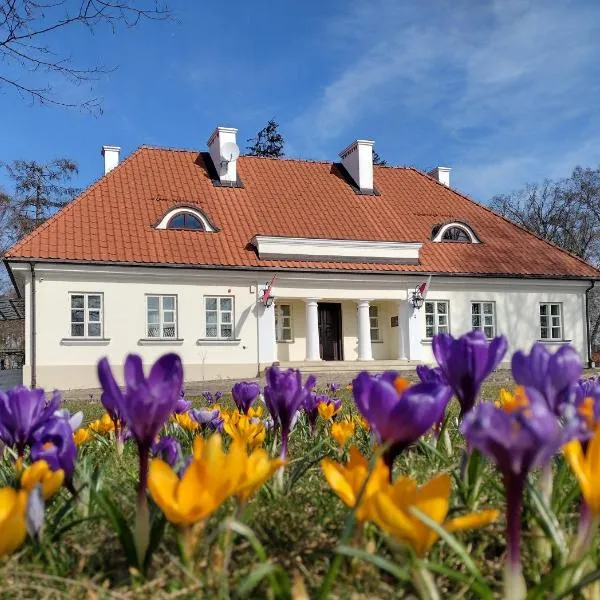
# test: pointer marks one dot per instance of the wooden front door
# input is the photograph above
(330, 331)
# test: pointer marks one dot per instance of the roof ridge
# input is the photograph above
(67, 207)
(497, 214)
(277, 158)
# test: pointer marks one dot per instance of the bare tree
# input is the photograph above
(377, 160)
(29, 52)
(566, 213)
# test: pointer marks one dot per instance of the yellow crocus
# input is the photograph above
(347, 480)
(13, 528)
(512, 402)
(586, 467)
(341, 432)
(258, 467)
(40, 473)
(327, 410)
(103, 425)
(209, 480)
(245, 430)
(391, 509)
(81, 436)
(255, 412)
(186, 422)
(587, 411)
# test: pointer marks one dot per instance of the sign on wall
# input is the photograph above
(395, 321)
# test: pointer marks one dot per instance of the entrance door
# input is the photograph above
(330, 331)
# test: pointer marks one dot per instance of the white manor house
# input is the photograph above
(237, 263)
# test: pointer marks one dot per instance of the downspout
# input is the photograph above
(257, 308)
(33, 331)
(587, 326)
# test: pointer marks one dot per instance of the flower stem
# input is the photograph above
(424, 584)
(142, 515)
(515, 587)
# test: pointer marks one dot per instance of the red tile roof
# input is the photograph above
(113, 220)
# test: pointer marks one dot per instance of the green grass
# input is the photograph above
(299, 529)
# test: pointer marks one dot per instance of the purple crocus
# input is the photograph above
(245, 395)
(210, 419)
(398, 414)
(182, 405)
(430, 374)
(53, 442)
(168, 449)
(311, 407)
(210, 399)
(147, 404)
(466, 362)
(333, 387)
(554, 376)
(284, 395)
(22, 412)
(518, 441)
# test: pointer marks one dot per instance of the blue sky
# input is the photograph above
(504, 92)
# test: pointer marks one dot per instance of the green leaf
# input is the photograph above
(549, 582)
(547, 520)
(458, 548)
(65, 528)
(157, 530)
(379, 561)
(252, 580)
(580, 585)
(120, 526)
(482, 591)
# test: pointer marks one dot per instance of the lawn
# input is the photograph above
(297, 520)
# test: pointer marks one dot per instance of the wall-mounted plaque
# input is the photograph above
(395, 321)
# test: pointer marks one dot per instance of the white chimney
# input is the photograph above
(442, 174)
(111, 157)
(224, 152)
(357, 159)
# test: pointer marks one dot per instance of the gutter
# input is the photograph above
(33, 326)
(590, 362)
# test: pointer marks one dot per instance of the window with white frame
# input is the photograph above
(283, 322)
(483, 317)
(436, 317)
(161, 316)
(374, 323)
(551, 327)
(86, 315)
(218, 311)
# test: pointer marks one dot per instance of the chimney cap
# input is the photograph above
(355, 145)
(218, 130)
(110, 149)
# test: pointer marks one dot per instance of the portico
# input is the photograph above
(329, 329)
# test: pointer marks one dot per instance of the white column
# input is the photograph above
(364, 331)
(312, 329)
(403, 343)
(413, 323)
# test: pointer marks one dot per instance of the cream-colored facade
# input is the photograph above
(63, 361)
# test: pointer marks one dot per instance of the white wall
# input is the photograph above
(64, 364)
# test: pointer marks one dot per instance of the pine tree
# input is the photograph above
(377, 160)
(40, 189)
(268, 142)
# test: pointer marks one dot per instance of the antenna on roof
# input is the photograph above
(230, 152)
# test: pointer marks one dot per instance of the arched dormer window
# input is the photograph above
(185, 217)
(454, 232)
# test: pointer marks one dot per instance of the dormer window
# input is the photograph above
(185, 221)
(186, 218)
(454, 232)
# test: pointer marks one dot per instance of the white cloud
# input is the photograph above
(510, 86)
